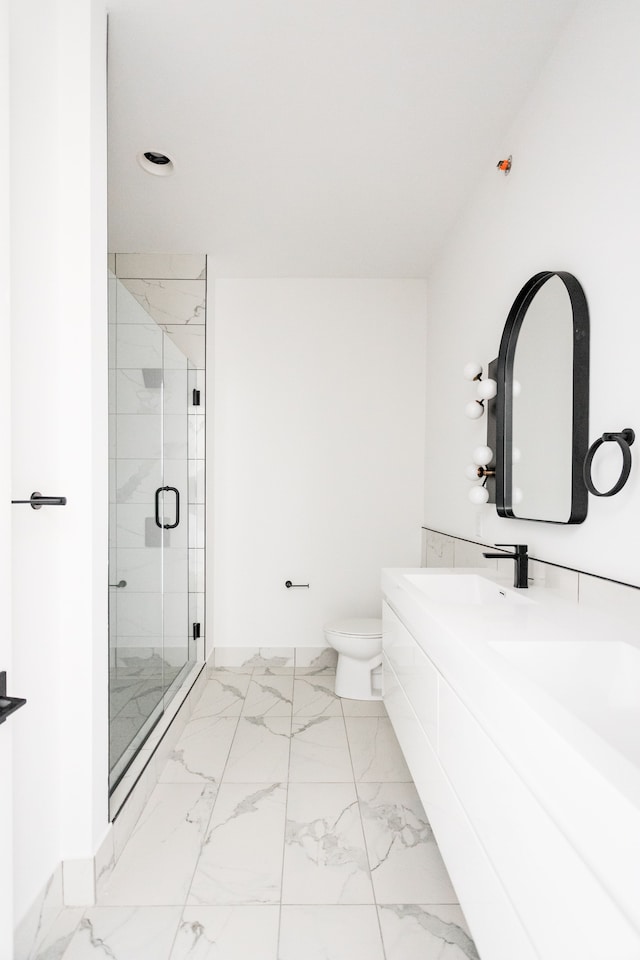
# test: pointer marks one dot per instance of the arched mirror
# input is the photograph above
(542, 415)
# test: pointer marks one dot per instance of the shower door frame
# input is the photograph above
(181, 566)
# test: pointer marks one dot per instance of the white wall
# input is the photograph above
(317, 439)
(6, 730)
(59, 421)
(571, 202)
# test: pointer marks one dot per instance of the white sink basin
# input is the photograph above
(598, 680)
(464, 588)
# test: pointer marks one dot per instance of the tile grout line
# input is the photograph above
(364, 836)
(206, 830)
(286, 811)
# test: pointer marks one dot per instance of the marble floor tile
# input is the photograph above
(59, 935)
(122, 691)
(227, 933)
(260, 751)
(241, 859)
(282, 809)
(274, 660)
(274, 670)
(406, 866)
(329, 933)
(269, 696)
(319, 751)
(375, 751)
(223, 695)
(315, 660)
(200, 755)
(125, 933)
(157, 862)
(414, 932)
(324, 859)
(315, 696)
(363, 708)
(124, 735)
(242, 669)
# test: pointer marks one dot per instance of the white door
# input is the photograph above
(6, 813)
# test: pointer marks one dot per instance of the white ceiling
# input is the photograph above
(312, 137)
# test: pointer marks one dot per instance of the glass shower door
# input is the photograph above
(151, 650)
(136, 668)
(175, 516)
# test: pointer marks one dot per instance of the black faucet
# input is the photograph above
(521, 571)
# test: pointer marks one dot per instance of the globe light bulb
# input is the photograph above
(471, 472)
(479, 495)
(472, 370)
(474, 410)
(482, 456)
(487, 389)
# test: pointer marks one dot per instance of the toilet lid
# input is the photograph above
(357, 627)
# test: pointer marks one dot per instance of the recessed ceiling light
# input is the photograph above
(159, 164)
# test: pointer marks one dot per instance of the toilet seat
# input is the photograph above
(365, 627)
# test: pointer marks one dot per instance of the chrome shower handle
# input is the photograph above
(120, 583)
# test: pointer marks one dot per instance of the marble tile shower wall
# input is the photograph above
(153, 295)
(442, 550)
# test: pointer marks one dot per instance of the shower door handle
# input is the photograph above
(167, 526)
(171, 526)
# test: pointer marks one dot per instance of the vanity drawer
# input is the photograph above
(415, 672)
(495, 926)
(532, 857)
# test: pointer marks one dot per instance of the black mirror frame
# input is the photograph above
(504, 411)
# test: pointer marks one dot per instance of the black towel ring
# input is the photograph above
(624, 441)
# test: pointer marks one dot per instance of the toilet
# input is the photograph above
(358, 643)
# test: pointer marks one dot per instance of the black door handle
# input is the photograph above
(37, 500)
(171, 526)
(8, 705)
(167, 526)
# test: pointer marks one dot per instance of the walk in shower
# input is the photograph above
(157, 323)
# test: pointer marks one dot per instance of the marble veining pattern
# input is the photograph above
(121, 933)
(325, 857)
(418, 932)
(375, 751)
(267, 695)
(170, 301)
(228, 933)
(241, 860)
(406, 866)
(243, 852)
(314, 695)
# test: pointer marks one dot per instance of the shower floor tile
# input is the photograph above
(285, 826)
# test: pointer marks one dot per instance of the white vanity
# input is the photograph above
(519, 716)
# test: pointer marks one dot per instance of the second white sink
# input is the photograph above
(598, 680)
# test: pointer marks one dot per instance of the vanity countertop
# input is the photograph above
(556, 686)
